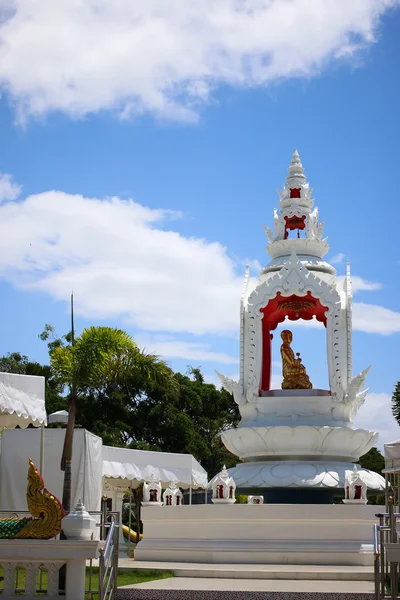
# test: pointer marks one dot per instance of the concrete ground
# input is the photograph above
(257, 585)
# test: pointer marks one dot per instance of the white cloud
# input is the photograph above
(124, 260)
(376, 414)
(361, 285)
(119, 263)
(276, 381)
(337, 259)
(8, 189)
(171, 348)
(373, 318)
(167, 56)
(370, 318)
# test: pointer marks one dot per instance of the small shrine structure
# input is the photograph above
(355, 489)
(297, 443)
(223, 488)
(152, 493)
(172, 496)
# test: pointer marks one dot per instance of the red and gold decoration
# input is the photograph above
(276, 311)
(46, 511)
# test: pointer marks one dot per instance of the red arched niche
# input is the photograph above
(294, 308)
(292, 223)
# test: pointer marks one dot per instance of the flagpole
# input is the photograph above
(72, 319)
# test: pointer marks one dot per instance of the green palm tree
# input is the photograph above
(99, 357)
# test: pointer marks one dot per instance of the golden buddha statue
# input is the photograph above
(294, 372)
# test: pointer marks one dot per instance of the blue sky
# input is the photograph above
(140, 158)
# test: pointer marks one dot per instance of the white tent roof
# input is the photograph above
(21, 400)
(139, 465)
(60, 416)
(392, 455)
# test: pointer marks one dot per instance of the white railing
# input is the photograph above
(27, 579)
(387, 555)
(108, 564)
(31, 567)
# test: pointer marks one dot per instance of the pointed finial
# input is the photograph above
(296, 168)
(224, 473)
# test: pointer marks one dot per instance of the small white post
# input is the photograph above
(129, 521)
(75, 580)
(41, 449)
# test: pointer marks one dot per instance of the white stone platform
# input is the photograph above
(259, 534)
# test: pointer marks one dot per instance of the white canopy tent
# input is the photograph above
(123, 468)
(22, 403)
(392, 471)
(392, 456)
(59, 417)
(136, 466)
(18, 445)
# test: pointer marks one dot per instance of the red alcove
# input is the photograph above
(292, 223)
(276, 311)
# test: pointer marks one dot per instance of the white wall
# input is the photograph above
(269, 533)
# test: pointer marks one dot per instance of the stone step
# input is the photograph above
(266, 572)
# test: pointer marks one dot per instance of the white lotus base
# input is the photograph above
(335, 534)
(303, 441)
(300, 474)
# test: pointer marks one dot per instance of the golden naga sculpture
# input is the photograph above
(294, 372)
(46, 511)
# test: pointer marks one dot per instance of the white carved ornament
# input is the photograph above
(310, 474)
(313, 228)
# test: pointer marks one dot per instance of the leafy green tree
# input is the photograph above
(189, 422)
(100, 358)
(373, 460)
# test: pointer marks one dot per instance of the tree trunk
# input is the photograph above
(66, 464)
(66, 460)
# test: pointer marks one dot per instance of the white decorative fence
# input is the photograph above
(26, 579)
(26, 562)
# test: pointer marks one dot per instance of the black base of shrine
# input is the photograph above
(292, 495)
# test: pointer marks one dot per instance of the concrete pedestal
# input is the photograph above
(255, 534)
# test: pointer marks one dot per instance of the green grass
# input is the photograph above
(125, 577)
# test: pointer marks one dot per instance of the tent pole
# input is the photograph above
(190, 495)
(205, 495)
(130, 519)
(41, 448)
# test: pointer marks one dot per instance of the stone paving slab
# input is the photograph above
(222, 589)
(192, 583)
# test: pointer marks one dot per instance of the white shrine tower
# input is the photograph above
(297, 444)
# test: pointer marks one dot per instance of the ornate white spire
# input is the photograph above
(295, 214)
(296, 175)
(296, 191)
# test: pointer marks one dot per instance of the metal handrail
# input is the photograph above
(108, 563)
(385, 571)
